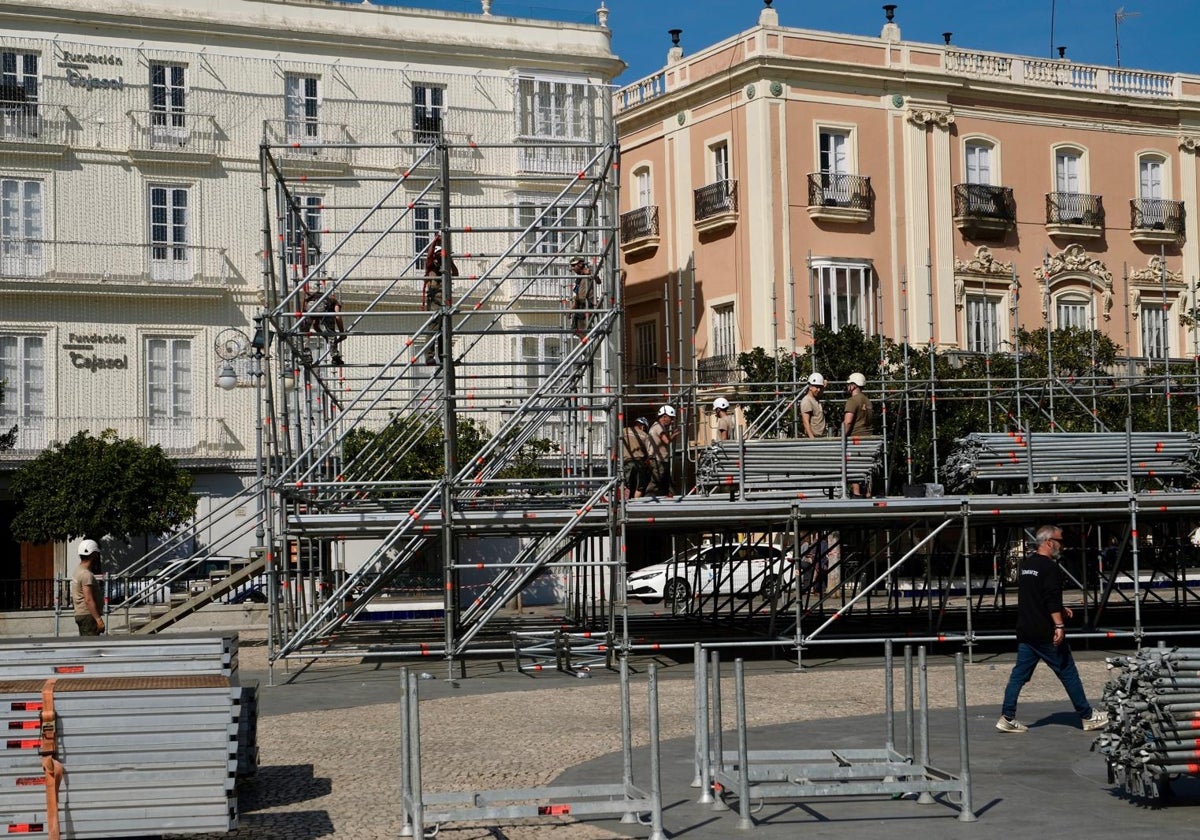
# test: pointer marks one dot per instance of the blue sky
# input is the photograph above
(1165, 36)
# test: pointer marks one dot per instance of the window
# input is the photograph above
(979, 163)
(983, 332)
(833, 161)
(724, 331)
(554, 231)
(168, 119)
(169, 258)
(845, 295)
(645, 351)
(427, 220)
(300, 109)
(304, 233)
(1155, 340)
(23, 372)
(428, 105)
(20, 228)
(1151, 192)
(540, 355)
(554, 108)
(1072, 312)
(719, 154)
(169, 393)
(642, 188)
(18, 94)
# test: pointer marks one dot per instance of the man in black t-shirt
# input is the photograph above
(1042, 634)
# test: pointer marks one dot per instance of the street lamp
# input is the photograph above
(227, 378)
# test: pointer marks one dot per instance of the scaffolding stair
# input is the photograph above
(222, 587)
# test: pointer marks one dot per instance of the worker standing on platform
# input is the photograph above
(637, 446)
(857, 420)
(661, 437)
(85, 590)
(583, 295)
(323, 317)
(1042, 634)
(812, 413)
(431, 297)
(726, 422)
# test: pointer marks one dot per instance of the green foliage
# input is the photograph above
(97, 487)
(395, 455)
(977, 393)
(7, 439)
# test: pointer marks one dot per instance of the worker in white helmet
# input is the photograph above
(725, 420)
(812, 413)
(661, 436)
(85, 590)
(857, 421)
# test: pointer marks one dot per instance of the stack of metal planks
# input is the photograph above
(151, 734)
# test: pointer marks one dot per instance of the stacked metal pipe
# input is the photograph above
(1153, 700)
(151, 734)
(787, 465)
(1076, 457)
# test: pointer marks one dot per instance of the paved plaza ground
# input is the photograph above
(329, 740)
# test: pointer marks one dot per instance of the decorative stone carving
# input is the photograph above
(931, 116)
(749, 91)
(983, 263)
(1075, 260)
(776, 89)
(1135, 303)
(1154, 273)
(1189, 142)
(960, 292)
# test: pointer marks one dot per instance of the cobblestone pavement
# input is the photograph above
(336, 771)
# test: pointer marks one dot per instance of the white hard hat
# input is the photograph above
(816, 379)
(89, 548)
(667, 410)
(720, 404)
(858, 379)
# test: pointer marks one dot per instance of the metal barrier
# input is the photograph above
(1153, 705)
(571, 653)
(418, 808)
(798, 774)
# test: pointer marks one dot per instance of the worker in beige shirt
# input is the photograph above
(811, 410)
(726, 422)
(85, 590)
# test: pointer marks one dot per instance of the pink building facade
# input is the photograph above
(784, 178)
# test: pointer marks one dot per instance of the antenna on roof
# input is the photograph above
(1119, 17)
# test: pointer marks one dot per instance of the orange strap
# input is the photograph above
(51, 766)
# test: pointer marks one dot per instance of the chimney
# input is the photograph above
(768, 16)
(891, 30)
(676, 52)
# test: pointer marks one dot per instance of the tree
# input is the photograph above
(97, 487)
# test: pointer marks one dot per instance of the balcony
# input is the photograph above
(982, 211)
(1074, 215)
(639, 230)
(36, 128)
(172, 137)
(544, 156)
(38, 262)
(193, 439)
(307, 145)
(464, 156)
(837, 197)
(718, 370)
(1156, 220)
(716, 206)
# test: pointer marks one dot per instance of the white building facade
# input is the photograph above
(132, 196)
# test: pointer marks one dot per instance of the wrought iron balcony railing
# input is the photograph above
(1156, 214)
(641, 223)
(716, 199)
(983, 202)
(837, 189)
(1063, 208)
(303, 138)
(172, 131)
(718, 370)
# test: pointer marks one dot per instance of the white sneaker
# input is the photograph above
(1006, 725)
(1098, 720)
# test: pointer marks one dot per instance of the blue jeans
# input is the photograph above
(1061, 663)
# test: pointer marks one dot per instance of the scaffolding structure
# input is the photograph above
(450, 399)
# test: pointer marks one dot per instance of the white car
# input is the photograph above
(741, 569)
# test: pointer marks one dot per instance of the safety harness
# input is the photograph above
(51, 766)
